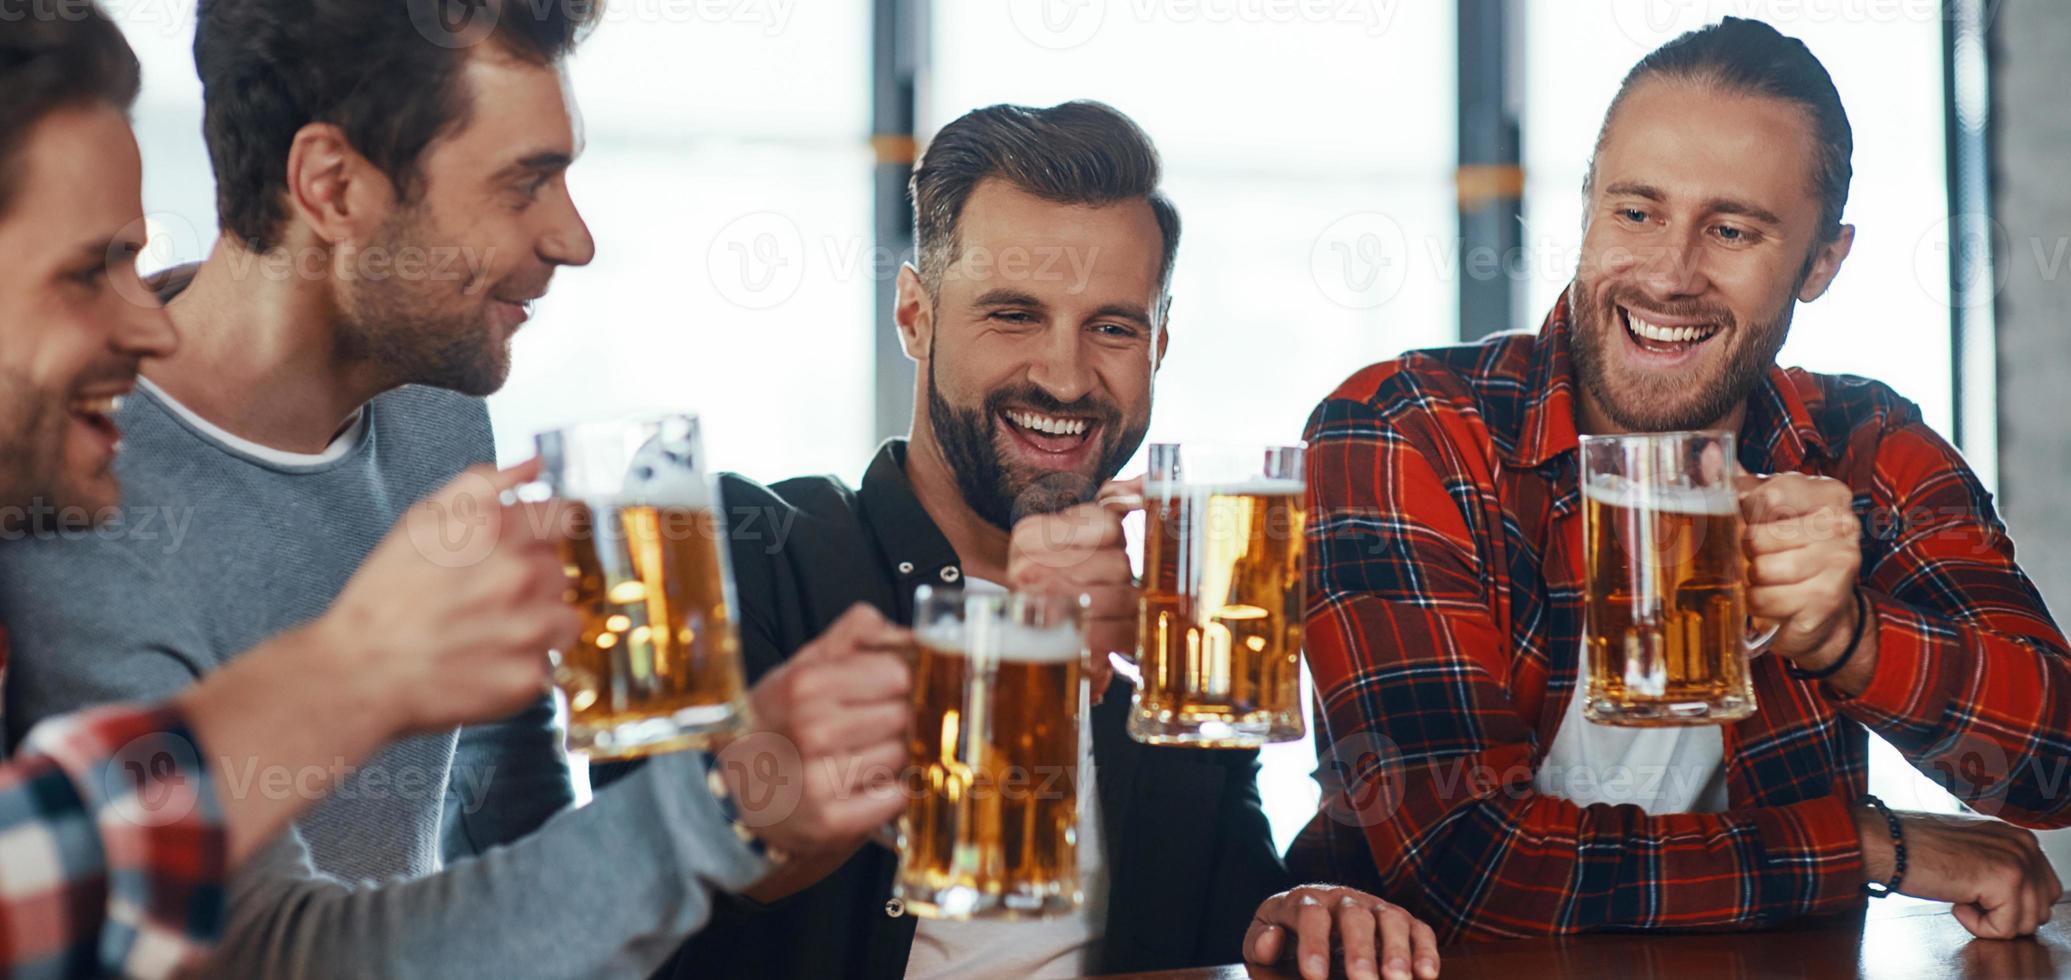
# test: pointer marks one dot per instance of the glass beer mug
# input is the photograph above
(658, 665)
(1666, 633)
(992, 814)
(1219, 629)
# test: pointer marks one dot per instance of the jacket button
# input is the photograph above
(951, 574)
(895, 908)
(905, 568)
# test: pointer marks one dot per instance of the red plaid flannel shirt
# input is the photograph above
(111, 848)
(1445, 624)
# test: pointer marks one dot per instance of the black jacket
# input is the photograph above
(1189, 853)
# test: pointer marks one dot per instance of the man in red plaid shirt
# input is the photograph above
(118, 825)
(1445, 626)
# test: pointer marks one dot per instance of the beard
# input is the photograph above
(420, 330)
(33, 427)
(1671, 401)
(1003, 496)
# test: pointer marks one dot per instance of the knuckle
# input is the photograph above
(792, 686)
(814, 741)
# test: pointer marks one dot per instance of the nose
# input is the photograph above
(1674, 268)
(1060, 366)
(567, 240)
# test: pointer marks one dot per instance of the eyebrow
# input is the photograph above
(1004, 296)
(545, 162)
(1717, 205)
(1628, 188)
(1134, 314)
(109, 248)
(1727, 205)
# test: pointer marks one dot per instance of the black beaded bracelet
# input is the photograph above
(1898, 851)
(1862, 621)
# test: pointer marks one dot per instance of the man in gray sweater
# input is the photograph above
(390, 187)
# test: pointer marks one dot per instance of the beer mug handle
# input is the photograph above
(1759, 636)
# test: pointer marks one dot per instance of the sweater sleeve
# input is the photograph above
(651, 850)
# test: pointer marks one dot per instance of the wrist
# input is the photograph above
(1882, 844)
(725, 784)
(1842, 645)
(1879, 858)
(340, 658)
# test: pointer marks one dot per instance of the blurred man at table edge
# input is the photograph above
(392, 199)
(1445, 618)
(121, 822)
(1037, 318)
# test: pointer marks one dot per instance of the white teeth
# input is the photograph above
(1046, 424)
(1667, 335)
(106, 405)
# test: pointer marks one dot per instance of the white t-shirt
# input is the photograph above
(1066, 946)
(1659, 770)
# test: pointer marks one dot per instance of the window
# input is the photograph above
(727, 181)
(1311, 159)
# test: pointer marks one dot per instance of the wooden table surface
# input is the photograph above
(1916, 941)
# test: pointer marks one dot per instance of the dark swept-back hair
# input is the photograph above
(386, 72)
(1753, 58)
(75, 57)
(1076, 153)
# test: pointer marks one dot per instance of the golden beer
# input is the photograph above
(1665, 602)
(1220, 626)
(991, 824)
(658, 665)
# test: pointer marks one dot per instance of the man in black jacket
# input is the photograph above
(1036, 317)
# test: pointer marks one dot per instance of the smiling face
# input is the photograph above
(493, 221)
(1039, 347)
(71, 336)
(1701, 226)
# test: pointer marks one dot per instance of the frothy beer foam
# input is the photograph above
(1012, 642)
(1617, 491)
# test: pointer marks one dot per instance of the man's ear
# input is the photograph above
(914, 312)
(332, 188)
(1164, 334)
(1826, 264)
